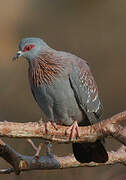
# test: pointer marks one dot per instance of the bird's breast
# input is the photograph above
(60, 96)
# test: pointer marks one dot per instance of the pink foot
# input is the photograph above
(47, 126)
(75, 132)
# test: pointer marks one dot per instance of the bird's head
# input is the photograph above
(30, 48)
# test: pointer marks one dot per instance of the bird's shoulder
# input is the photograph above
(70, 58)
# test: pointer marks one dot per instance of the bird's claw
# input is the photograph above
(54, 125)
(75, 132)
(47, 126)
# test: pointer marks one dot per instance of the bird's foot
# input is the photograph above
(47, 124)
(75, 132)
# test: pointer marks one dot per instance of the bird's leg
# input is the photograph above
(51, 120)
(75, 132)
(47, 124)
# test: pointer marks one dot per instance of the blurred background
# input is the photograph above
(94, 30)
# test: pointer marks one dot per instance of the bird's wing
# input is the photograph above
(86, 92)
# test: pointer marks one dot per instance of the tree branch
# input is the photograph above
(108, 127)
(19, 162)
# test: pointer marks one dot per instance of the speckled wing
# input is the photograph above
(86, 91)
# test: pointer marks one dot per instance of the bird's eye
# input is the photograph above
(28, 47)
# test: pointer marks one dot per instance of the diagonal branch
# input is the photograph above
(108, 127)
(19, 162)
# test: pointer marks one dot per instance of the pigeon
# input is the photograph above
(64, 88)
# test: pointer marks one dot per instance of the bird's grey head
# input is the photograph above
(30, 48)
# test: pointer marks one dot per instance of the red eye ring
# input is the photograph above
(28, 47)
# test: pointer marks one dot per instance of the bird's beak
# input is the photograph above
(19, 53)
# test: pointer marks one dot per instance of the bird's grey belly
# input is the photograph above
(58, 97)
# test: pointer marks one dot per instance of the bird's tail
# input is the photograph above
(87, 152)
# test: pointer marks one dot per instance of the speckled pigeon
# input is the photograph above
(64, 88)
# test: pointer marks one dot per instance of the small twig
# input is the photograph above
(49, 150)
(122, 149)
(38, 150)
(32, 144)
(6, 171)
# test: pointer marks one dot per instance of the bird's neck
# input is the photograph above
(44, 69)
